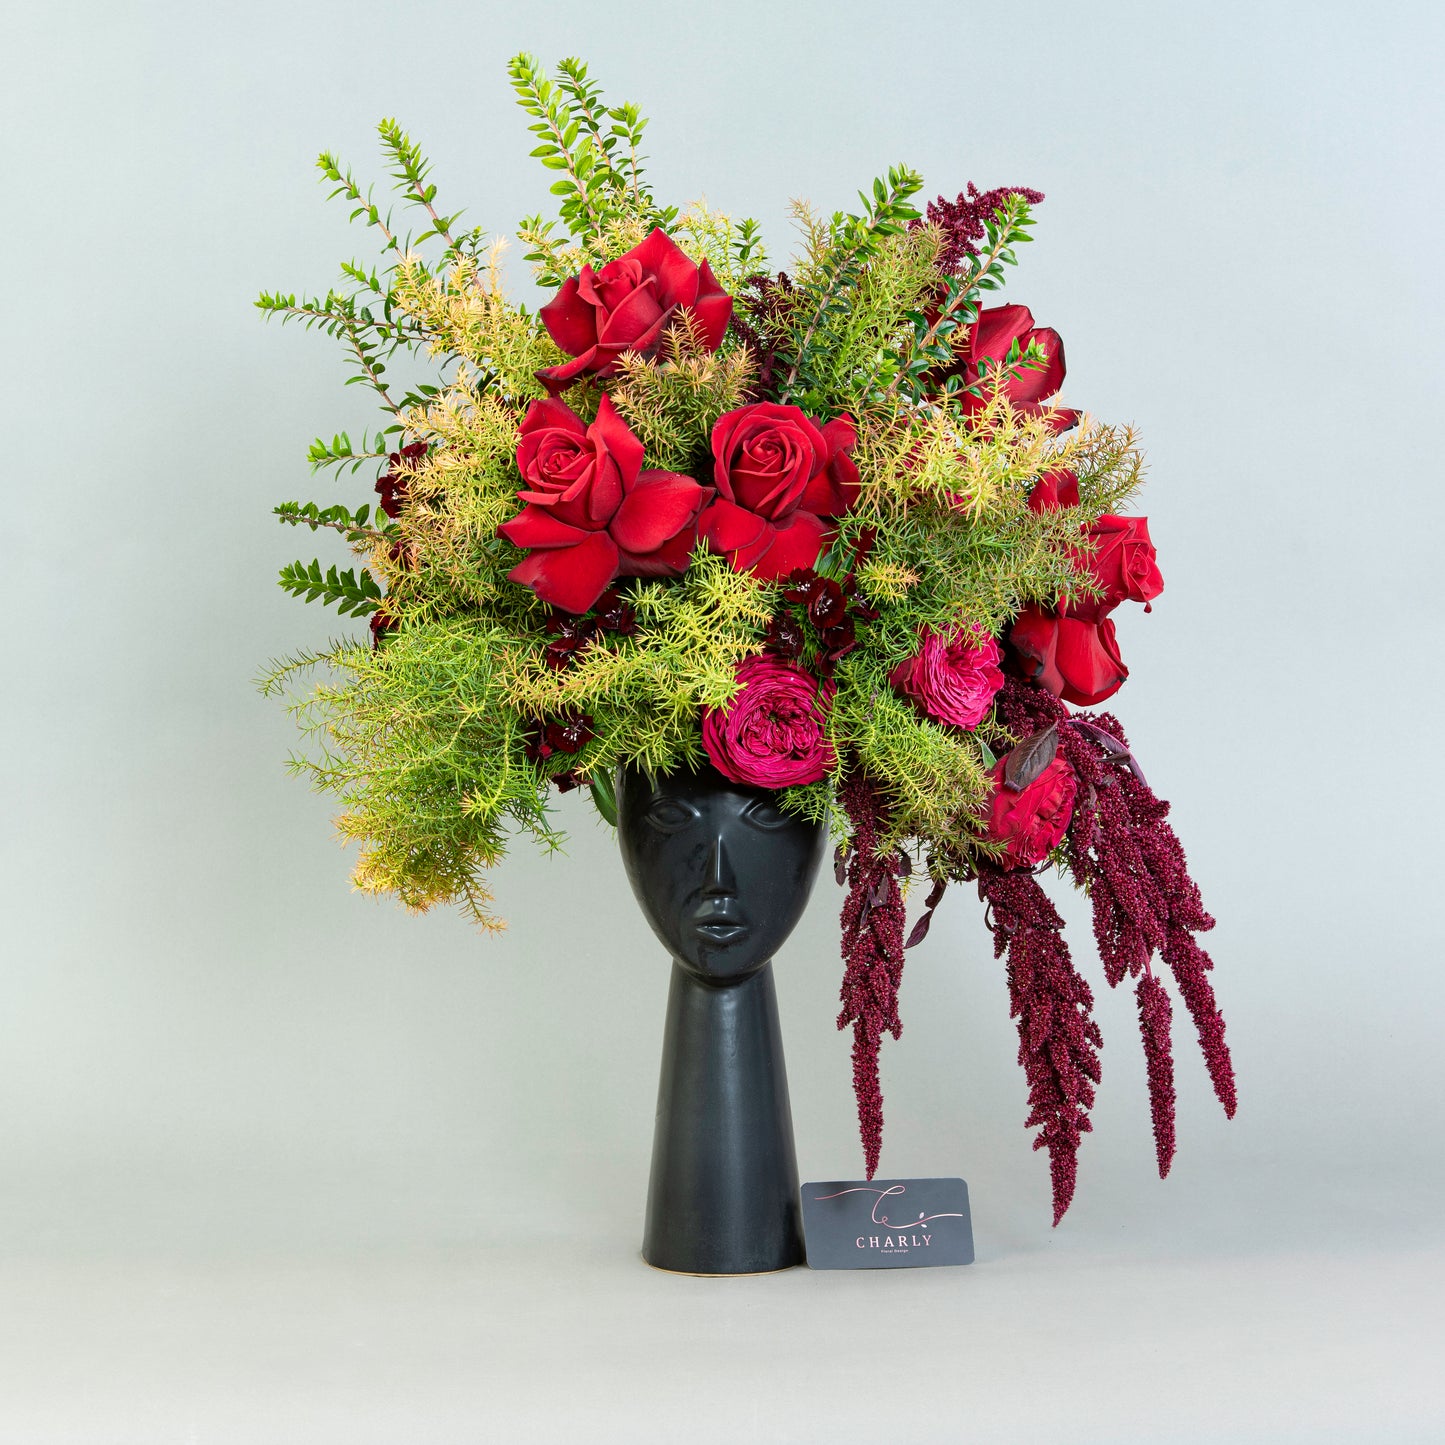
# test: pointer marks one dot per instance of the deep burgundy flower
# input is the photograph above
(592, 513)
(785, 637)
(780, 479)
(773, 733)
(569, 733)
(380, 623)
(627, 305)
(985, 345)
(835, 644)
(962, 220)
(392, 484)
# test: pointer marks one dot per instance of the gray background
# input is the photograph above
(280, 1163)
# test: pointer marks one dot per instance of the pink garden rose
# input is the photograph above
(627, 305)
(781, 478)
(1030, 822)
(592, 513)
(953, 677)
(773, 732)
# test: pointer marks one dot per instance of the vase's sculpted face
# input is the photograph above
(721, 872)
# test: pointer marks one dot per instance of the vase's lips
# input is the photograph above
(719, 921)
(720, 931)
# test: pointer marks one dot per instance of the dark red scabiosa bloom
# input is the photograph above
(570, 634)
(981, 350)
(627, 305)
(781, 478)
(592, 513)
(569, 733)
(392, 485)
(873, 918)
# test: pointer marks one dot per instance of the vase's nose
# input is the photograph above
(720, 880)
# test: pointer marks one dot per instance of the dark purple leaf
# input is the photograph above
(1030, 758)
(920, 929)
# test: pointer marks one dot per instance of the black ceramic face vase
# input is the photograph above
(721, 872)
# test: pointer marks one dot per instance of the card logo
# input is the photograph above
(889, 1223)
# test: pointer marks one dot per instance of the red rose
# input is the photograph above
(952, 677)
(592, 514)
(984, 346)
(780, 477)
(1030, 822)
(773, 732)
(627, 305)
(1076, 658)
(1123, 561)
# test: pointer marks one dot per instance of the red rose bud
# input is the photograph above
(1032, 821)
(983, 349)
(1075, 658)
(1054, 490)
(780, 478)
(591, 512)
(953, 676)
(773, 733)
(627, 305)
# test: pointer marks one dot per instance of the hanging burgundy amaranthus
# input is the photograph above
(872, 920)
(1122, 850)
(1058, 1039)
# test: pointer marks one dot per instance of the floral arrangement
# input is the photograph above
(827, 529)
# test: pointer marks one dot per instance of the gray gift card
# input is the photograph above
(887, 1223)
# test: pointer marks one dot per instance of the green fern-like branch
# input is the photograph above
(351, 594)
(852, 239)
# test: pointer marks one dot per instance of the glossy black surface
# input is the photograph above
(722, 877)
(722, 874)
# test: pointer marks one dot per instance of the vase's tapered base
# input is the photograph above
(723, 1196)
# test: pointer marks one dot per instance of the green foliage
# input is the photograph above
(594, 150)
(340, 453)
(837, 259)
(340, 518)
(353, 595)
(673, 403)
